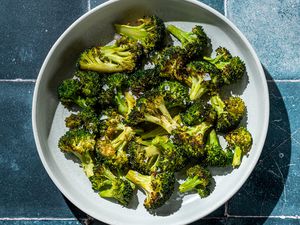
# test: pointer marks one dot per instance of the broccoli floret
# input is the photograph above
(175, 94)
(195, 43)
(148, 31)
(113, 151)
(197, 113)
(202, 77)
(70, 95)
(90, 82)
(240, 141)
(171, 63)
(86, 119)
(158, 187)
(111, 58)
(232, 68)
(192, 139)
(229, 112)
(81, 143)
(113, 186)
(198, 179)
(143, 80)
(215, 155)
(125, 102)
(156, 155)
(151, 108)
(110, 86)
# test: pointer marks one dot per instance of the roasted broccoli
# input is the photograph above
(240, 141)
(195, 43)
(229, 112)
(148, 31)
(110, 185)
(192, 139)
(158, 187)
(156, 155)
(197, 113)
(151, 108)
(113, 151)
(198, 179)
(202, 77)
(232, 68)
(111, 58)
(175, 94)
(215, 155)
(81, 143)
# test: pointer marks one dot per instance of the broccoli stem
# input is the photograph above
(141, 180)
(197, 90)
(121, 140)
(134, 32)
(237, 156)
(213, 139)
(121, 102)
(181, 35)
(189, 184)
(217, 104)
(159, 131)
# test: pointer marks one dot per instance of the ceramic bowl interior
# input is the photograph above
(96, 28)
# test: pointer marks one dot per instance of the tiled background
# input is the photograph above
(27, 31)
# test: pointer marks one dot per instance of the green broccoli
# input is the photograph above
(229, 112)
(198, 179)
(158, 187)
(148, 31)
(113, 151)
(232, 68)
(81, 143)
(197, 113)
(111, 58)
(156, 155)
(175, 94)
(202, 77)
(113, 186)
(215, 155)
(195, 43)
(192, 139)
(239, 140)
(151, 108)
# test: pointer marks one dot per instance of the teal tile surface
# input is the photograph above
(25, 188)
(273, 187)
(273, 28)
(28, 30)
(247, 221)
(41, 222)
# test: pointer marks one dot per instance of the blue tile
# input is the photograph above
(28, 30)
(25, 188)
(273, 28)
(40, 222)
(216, 4)
(273, 186)
(247, 221)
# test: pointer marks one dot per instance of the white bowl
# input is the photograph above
(96, 27)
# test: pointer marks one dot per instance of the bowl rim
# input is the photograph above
(250, 167)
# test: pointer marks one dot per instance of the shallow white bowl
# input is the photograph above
(96, 27)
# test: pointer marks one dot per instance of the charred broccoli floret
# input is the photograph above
(111, 58)
(202, 77)
(215, 155)
(158, 187)
(171, 63)
(175, 94)
(198, 179)
(195, 43)
(229, 112)
(151, 108)
(143, 80)
(110, 185)
(197, 113)
(81, 143)
(232, 68)
(148, 31)
(70, 95)
(113, 151)
(156, 155)
(240, 141)
(192, 139)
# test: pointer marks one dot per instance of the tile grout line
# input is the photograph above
(37, 218)
(18, 80)
(88, 5)
(225, 8)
